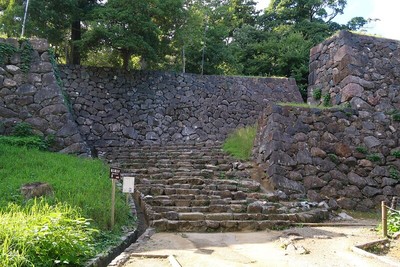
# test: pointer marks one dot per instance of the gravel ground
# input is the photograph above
(305, 246)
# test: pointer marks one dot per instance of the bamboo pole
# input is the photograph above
(384, 219)
(113, 203)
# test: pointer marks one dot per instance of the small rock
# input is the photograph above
(321, 237)
(323, 204)
(344, 216)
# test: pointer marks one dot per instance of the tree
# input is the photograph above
(58, 21)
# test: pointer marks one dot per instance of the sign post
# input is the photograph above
(115, 174)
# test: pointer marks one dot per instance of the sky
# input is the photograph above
(385, 10)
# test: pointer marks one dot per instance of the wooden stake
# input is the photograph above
(113, 203)
(384, 219)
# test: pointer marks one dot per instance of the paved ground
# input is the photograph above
(317, 246)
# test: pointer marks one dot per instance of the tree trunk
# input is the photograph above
(126, 56)
(76, 32)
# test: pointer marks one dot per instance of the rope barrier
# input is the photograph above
(393, 210)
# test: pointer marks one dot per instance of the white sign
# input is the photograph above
(128, 185)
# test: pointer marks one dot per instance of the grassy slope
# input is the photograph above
(82, 183)
(240, 143)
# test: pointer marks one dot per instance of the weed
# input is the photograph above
(374, 157)
(22, 129)
(326, 102)
(45, 235)
(396, 117)
(362, 149)
(394, 173)
(333, 158)
(6, 51)
(393, 222)
(317, 93)
(396, 154)
(79, 182)
(240, 143)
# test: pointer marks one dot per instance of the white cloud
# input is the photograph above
(388, 13)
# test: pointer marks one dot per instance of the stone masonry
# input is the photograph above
(115, 108)
(346, 155)
(36, 98)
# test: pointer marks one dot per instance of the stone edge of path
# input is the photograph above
(359, 250)
(124, 255)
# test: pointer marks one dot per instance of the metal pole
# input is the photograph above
(25, 15)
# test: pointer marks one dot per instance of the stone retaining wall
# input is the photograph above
(116, 108)
(356, 70)
(35, 98)
(334, 154)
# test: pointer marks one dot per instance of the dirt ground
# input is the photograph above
(305, 246)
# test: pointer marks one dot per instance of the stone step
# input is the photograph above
(242, 222)
(186, 189)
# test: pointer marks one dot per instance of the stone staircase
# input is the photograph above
(189, 188)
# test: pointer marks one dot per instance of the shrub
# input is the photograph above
(326, 100)
(317, 94)
(22, 129)
(240, 143)
(25, 141)
(393, 222)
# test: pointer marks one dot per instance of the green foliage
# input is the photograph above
(82, 183)
(396, 154)
(362, 149)
(374, 157)
(326, 100)
(240, 143)
(6, 51)
(33, 141)
(317, 93)
(23, 136)
(26, 55)
(45, 235)
(393, 222)
(394, 173)
(334, 158)
(22, 129)
(26, 52)
(396, 116)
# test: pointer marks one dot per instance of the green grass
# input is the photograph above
(56, 231)
(305, 105)
(40, 234)
(240, 143)
(80, 182)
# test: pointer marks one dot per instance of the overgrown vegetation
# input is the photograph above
(40, 234)
(240, 143)
(26, 54)
(6, 51)
(54, 231)
(393, 222)
(80, 182)
(22, 135)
